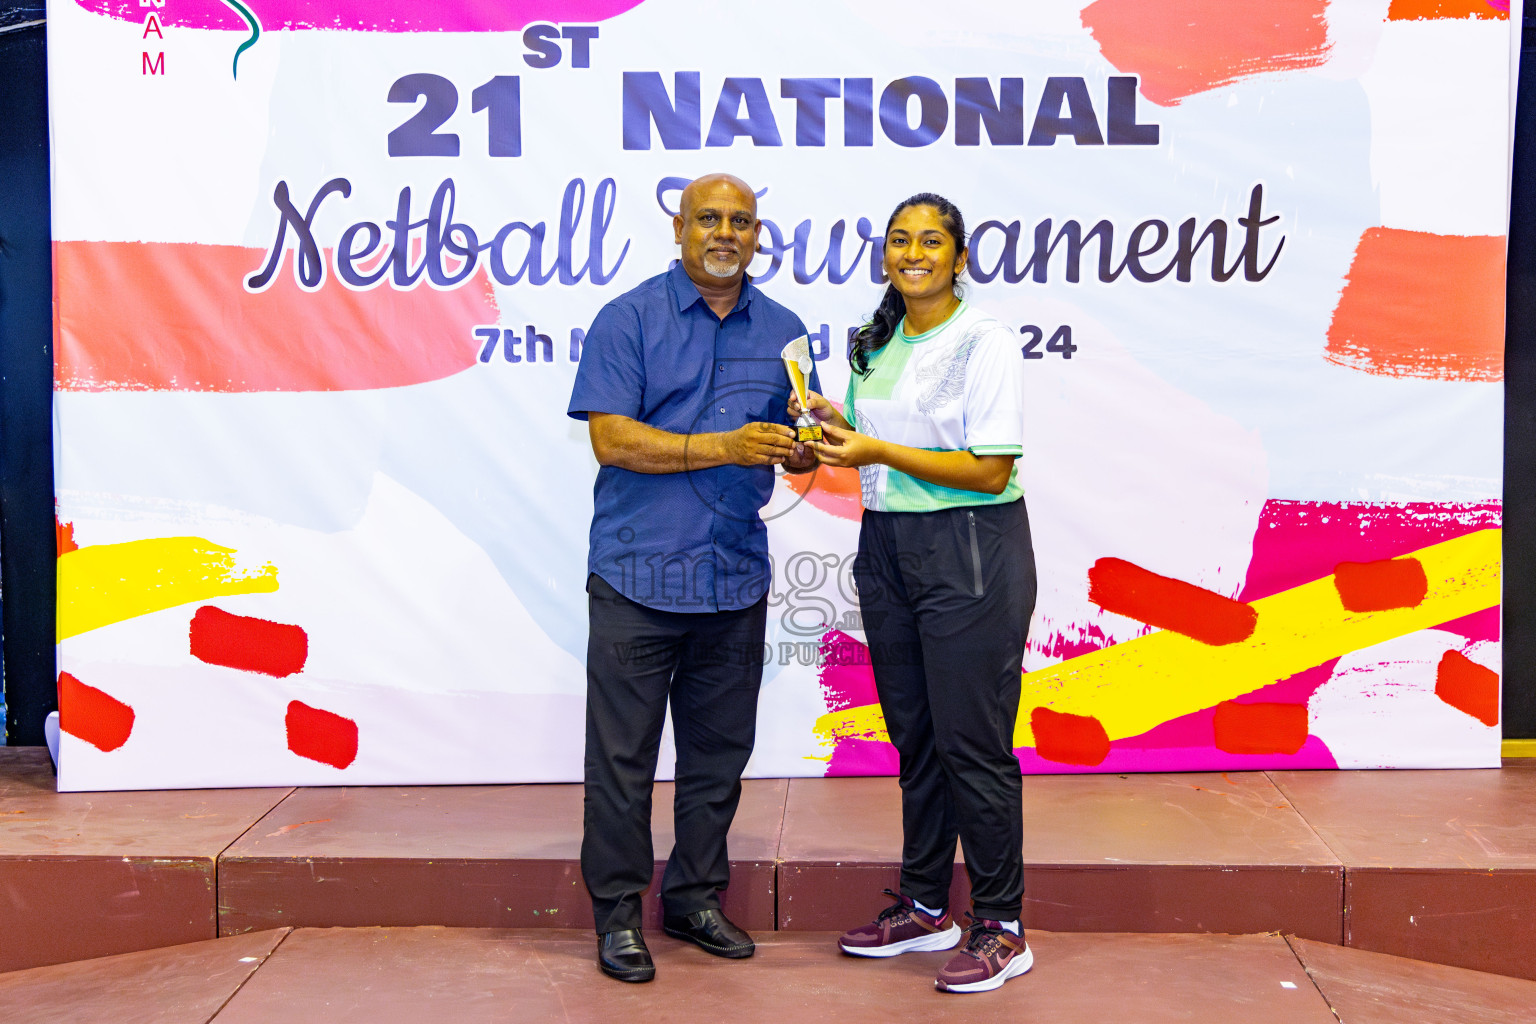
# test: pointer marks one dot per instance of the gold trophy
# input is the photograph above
(797, 361)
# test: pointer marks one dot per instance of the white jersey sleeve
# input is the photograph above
(994, 395)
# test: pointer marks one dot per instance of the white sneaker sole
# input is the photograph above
(922, 944)
(1020, 963)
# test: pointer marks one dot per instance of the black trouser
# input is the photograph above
(946, 599)
(710, 665)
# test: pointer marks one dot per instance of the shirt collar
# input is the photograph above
(686, 293)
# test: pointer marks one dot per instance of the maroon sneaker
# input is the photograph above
(901, 928)
(991, 956)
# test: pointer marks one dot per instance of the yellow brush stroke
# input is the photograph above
(1135, 686)
(865, 722)
(105, 583)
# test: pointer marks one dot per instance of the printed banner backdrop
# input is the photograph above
(323, 269)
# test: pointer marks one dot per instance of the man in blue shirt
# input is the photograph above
(685, 395)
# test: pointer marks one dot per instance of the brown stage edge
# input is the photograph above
(91, 874)
(179, 985)
(841, 847)
(1439, 865)
(382, 976)
(1374, 988)
(462, 856)
(1206, 852)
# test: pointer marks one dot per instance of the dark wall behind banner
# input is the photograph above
(1520, 414)
(26, 375)
(26, 367)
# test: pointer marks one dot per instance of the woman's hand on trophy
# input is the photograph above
(817, 406)
(845, 447)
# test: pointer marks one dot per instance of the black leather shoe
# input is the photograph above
(622, 954)
(712, 932)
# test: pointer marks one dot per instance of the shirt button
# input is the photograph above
(722, 367)
(722, 410)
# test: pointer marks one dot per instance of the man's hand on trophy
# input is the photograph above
(758, 444)
(801, 460)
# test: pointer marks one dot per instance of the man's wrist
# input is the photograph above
(711, 449)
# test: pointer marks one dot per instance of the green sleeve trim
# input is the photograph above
(996, 449)
(905, 493)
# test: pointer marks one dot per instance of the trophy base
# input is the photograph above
(811, 433)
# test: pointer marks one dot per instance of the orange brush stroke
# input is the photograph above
(167, 316)
(1422, 305)
(1417, 10)
(1184, 47)
(830, 488)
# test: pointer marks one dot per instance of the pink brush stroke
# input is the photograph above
(1195, 758)
(370, 15)
(1300, 541)
(848, 681)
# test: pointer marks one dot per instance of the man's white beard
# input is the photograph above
(714, 269)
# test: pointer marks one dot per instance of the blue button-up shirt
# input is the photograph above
(691, 541)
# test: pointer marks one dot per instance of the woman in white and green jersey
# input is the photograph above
(934, 421)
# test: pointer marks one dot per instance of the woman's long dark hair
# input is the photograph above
(874, 336)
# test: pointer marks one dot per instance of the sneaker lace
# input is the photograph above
(895, 911)
(983, 939)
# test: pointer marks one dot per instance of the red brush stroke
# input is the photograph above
(1183, 47)
(321, 735)
(244, 642)
(1422, 305)
(1378, 586)
(1069, 739)
(93, 715)
(1467, 686)
(1262, 728)
(180, 319)
(64, 536)
(376, 15)
(1418, 10)
(1127, 589)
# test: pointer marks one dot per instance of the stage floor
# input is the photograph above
(385, 975)
(1438, 866)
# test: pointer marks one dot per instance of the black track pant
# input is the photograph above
(946, 599)
(710, 666)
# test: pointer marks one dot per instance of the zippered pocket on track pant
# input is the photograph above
(970, 518)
